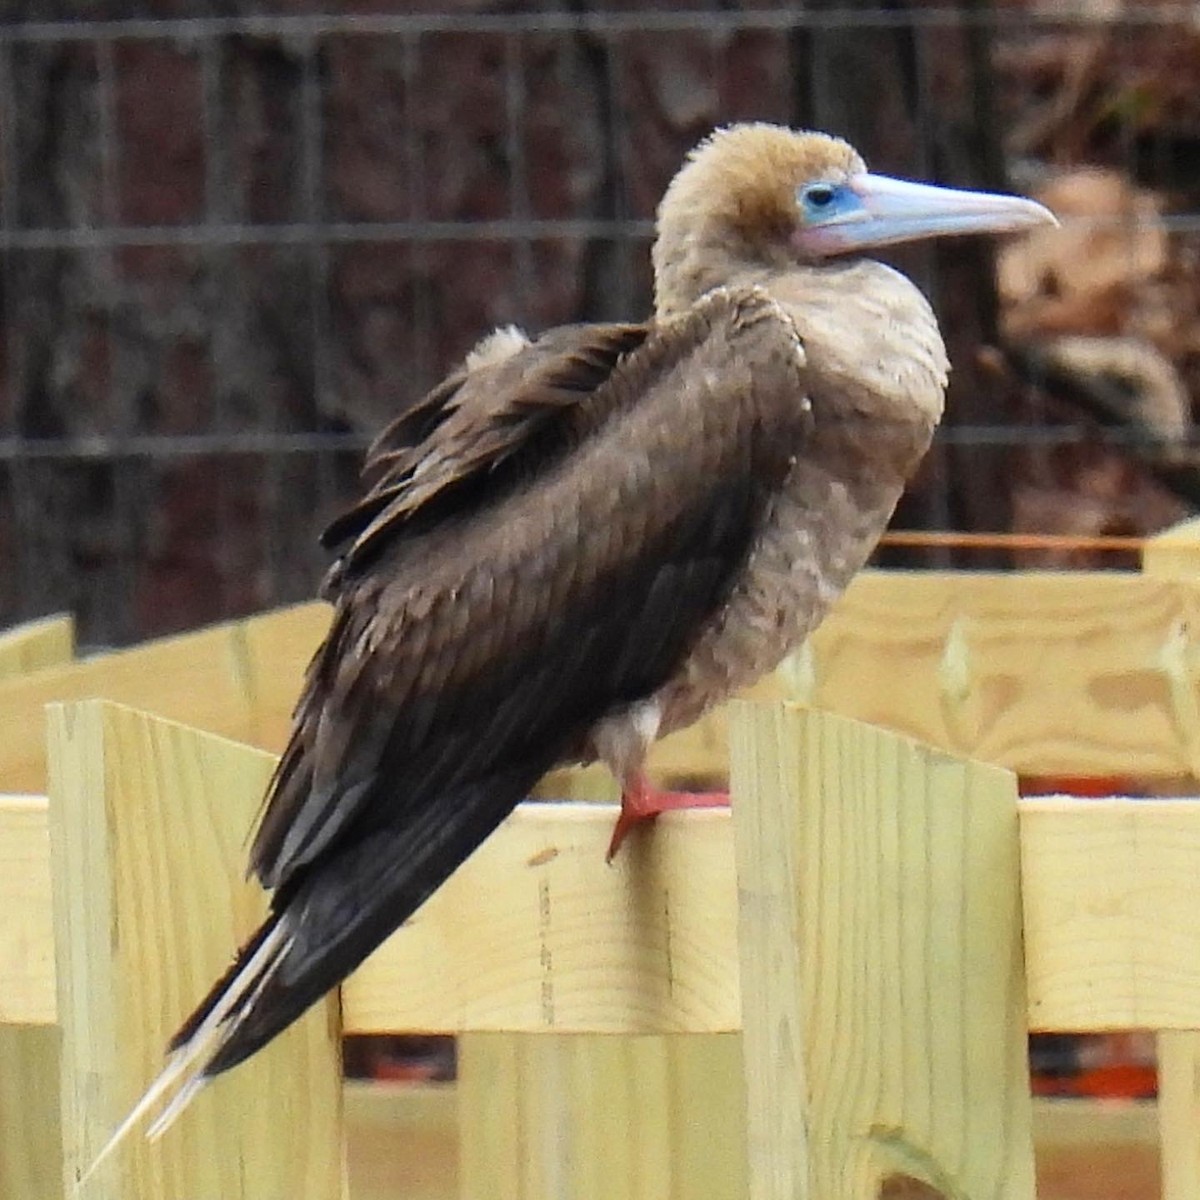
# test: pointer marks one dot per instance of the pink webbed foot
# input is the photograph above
(640, 802)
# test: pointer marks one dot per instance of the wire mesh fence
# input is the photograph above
(235, 243)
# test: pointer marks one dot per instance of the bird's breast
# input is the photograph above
(876, 397)
(816, 534)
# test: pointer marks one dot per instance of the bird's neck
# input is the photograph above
(689, 262)
(868, 330)
(864, 326)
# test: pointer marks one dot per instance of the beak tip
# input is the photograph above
(1043, 216)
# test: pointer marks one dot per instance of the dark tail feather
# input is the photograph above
(186, 1072)
(322, 927)
(223, 984)
(345, 907)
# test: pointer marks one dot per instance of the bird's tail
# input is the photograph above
(195, 1047)
(321, 927)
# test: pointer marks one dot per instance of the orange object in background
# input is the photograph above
(1077, 785)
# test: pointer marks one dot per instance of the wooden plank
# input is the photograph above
(1096, 1150)
(645, 945)
(26, 926)
(401, 1140)
(1112, 913)
(1112, 926)
(571, 944)
(1071, 672)
(30, 1131)
(1175, 554)
(1111, 899)
(1090, 673)
(272, 652)
(537, 933)
(35, 645)
(603, 1118)
(236, 679)
(617, 1118)
(882, 988)
(241, 679)
(147, 824)
(1179, 1113)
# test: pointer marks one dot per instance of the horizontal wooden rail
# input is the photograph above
(535, 932)
(240, 679)
(1042, 672)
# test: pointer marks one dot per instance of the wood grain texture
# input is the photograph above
(536, 933)
(1112, 913)
(880, 939)
(30, 1132)
(1064, 672)
(147, 825)
(601, 1118)
(1175, 554)
(240, 679)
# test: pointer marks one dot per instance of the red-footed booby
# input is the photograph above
(578, 543)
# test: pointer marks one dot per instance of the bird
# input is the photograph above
(581, 541)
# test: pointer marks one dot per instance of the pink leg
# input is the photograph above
(640, 802)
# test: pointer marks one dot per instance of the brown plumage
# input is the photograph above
(577, 543)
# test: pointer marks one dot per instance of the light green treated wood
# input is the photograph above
(595, 1117)
(147, 827)
(30, 1136)
(601, 1118)
(882, 988)
(1175, 555)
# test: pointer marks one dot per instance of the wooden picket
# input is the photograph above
(1069, 672)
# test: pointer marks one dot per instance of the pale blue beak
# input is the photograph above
(879, 211)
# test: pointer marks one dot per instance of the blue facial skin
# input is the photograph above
(820, 202)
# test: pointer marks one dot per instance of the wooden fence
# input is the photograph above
(900, 1057)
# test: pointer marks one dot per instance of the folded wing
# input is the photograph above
(535, 563)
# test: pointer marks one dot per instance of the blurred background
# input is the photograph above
(238, 238)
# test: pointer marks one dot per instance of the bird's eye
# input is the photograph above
(819, 195)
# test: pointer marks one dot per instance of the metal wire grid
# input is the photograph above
(102, 583)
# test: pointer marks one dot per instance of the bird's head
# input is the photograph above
(760, 196)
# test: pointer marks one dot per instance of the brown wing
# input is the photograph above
(475, 436)
(560, 593)
(468, 657)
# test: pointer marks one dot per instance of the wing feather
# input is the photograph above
(461, 649)
(583, 590)
(476, 435)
